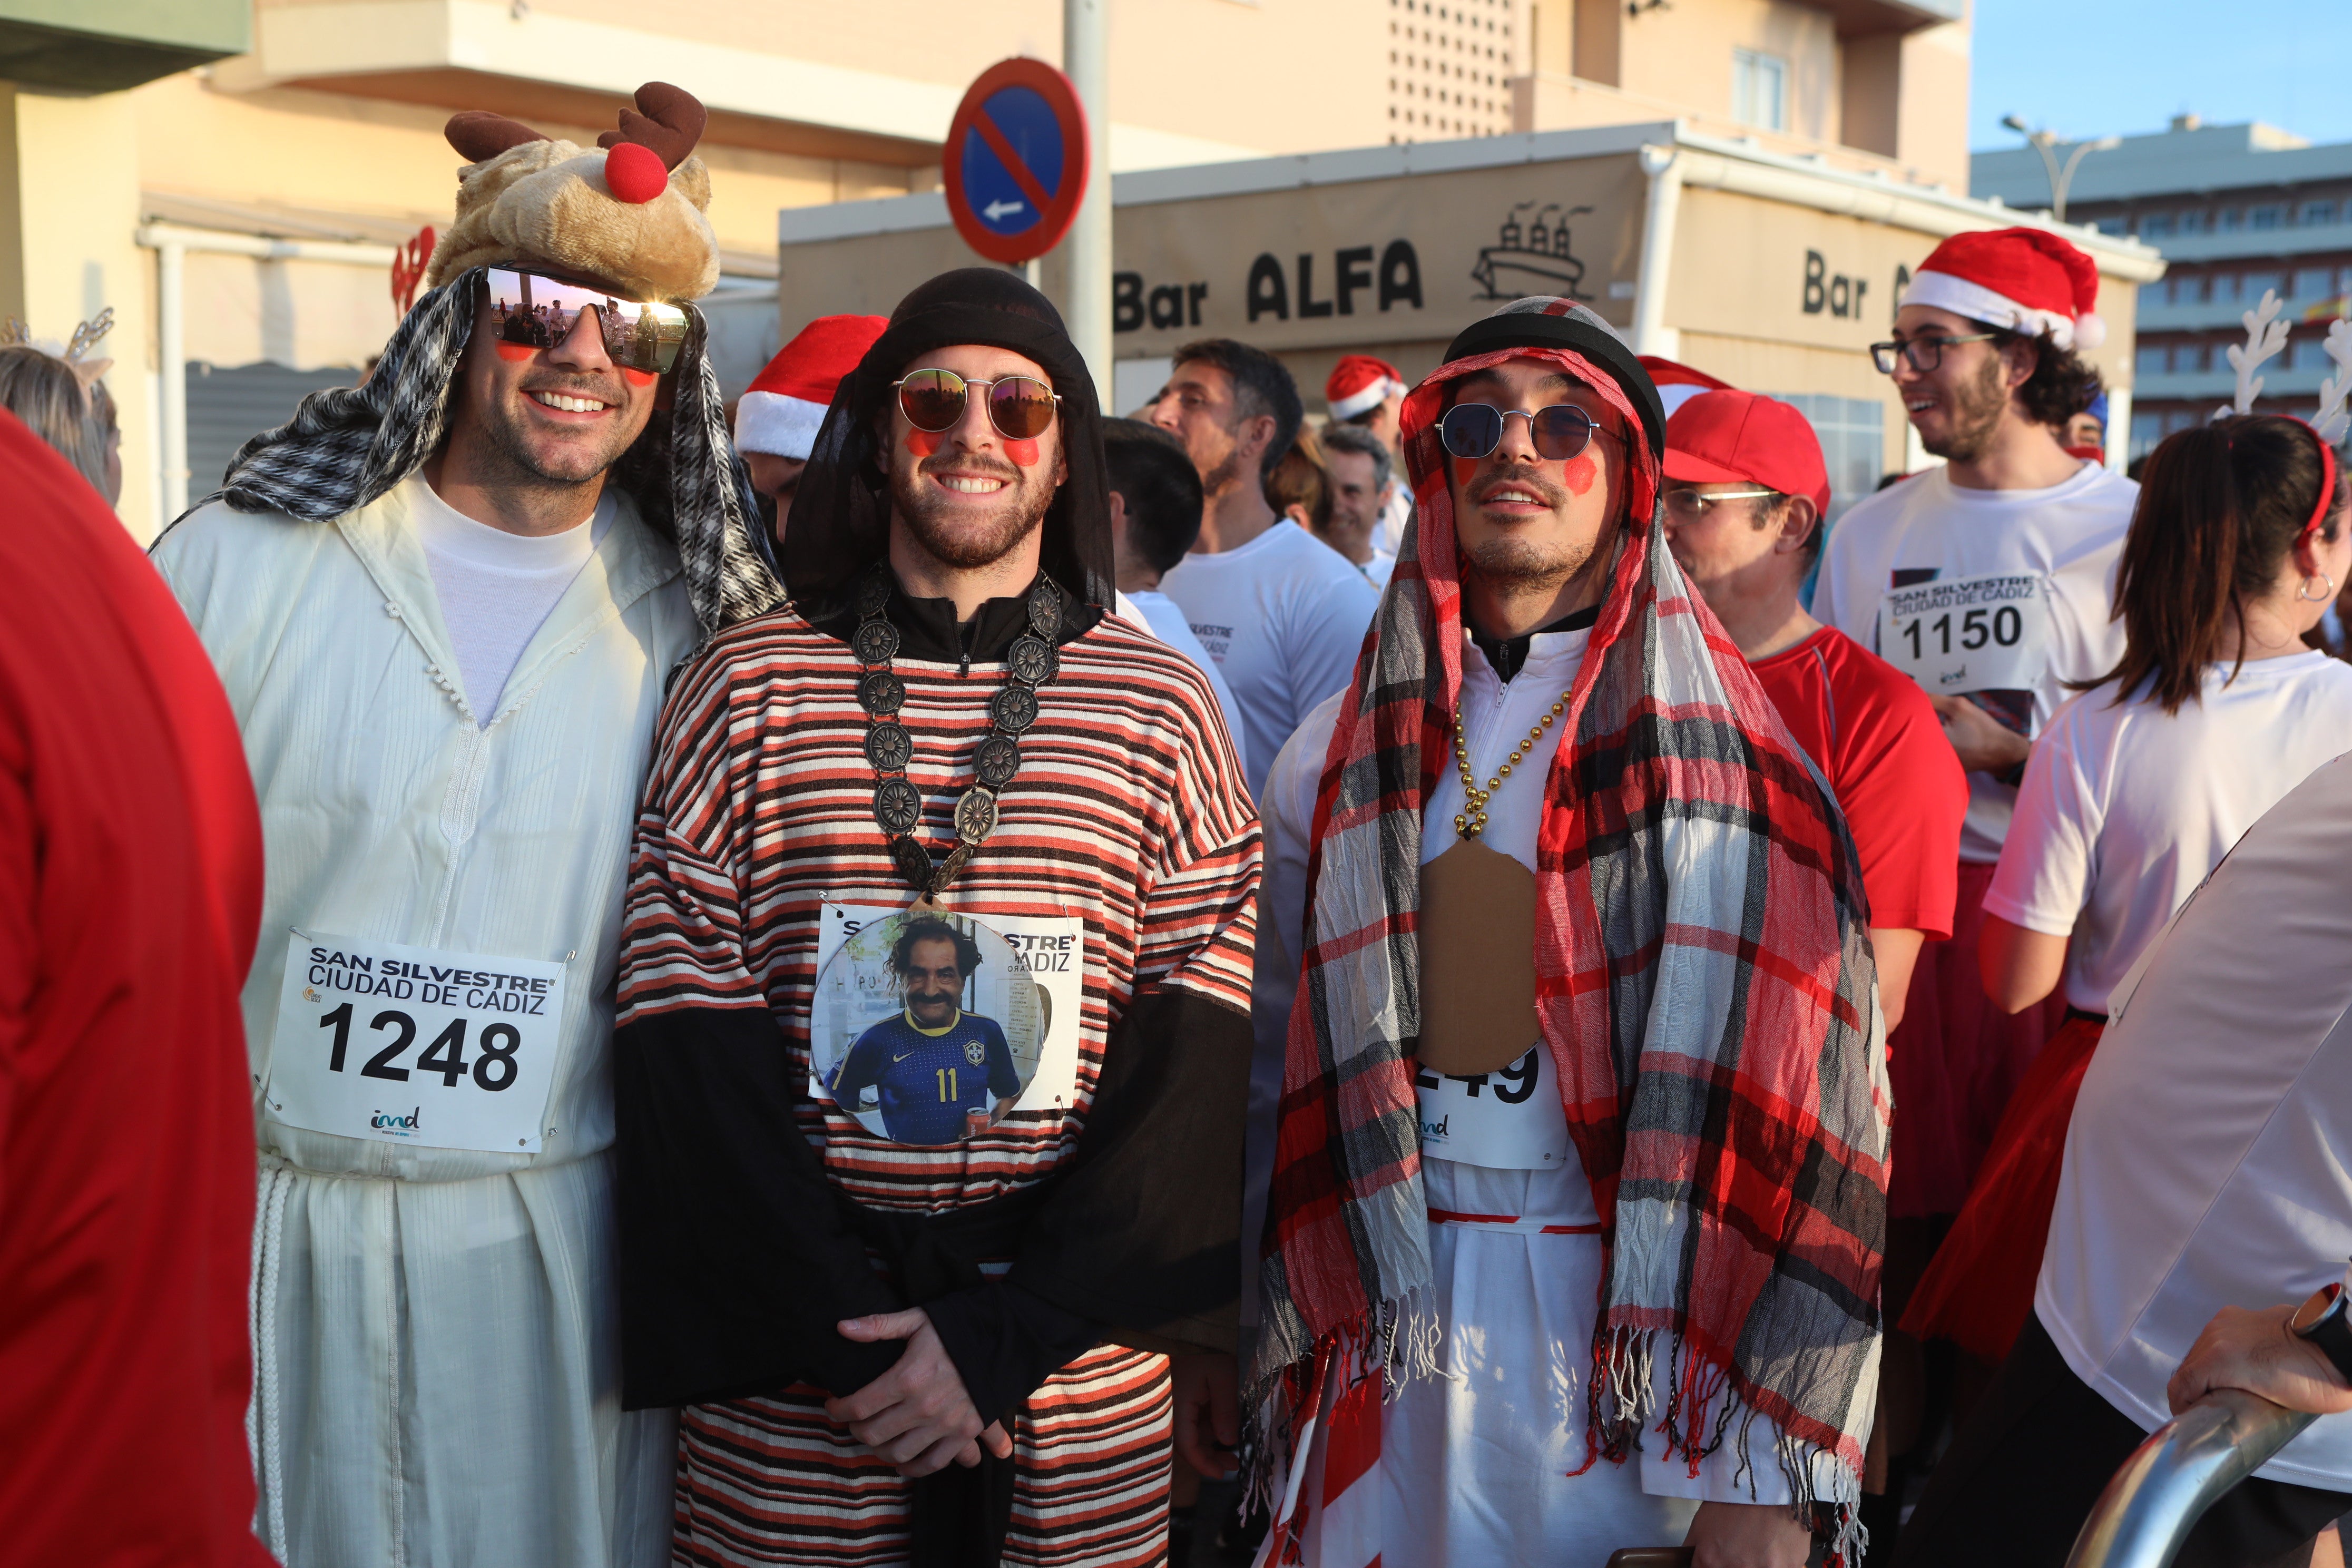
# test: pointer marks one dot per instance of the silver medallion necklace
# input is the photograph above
(898, 804)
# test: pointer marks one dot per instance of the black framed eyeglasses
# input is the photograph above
(1021, 407)
(1923, 354)
(539, 312)
(1560, 432)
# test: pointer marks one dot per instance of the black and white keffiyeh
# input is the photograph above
(348, 446)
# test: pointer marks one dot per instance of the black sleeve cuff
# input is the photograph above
(1005, 1340)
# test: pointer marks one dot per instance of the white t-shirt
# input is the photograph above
(2207, 1162)
(1158, 614)
(1477, 1464)
(1389, 537)
(1284, 617)
(496, 589)
(1928, 529)
(2124, 810)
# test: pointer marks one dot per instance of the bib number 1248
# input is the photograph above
(381, 1040)
(493, 1070)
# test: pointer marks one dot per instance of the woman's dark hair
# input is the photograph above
(930, 927)
(1151, 473)
(2061, 385)
(2220, 509)
(1300, 479)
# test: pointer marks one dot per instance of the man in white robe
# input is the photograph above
(444, 605)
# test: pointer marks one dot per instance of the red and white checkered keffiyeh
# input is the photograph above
(1706, 988)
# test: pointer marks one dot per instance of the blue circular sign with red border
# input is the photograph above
(1015, 165)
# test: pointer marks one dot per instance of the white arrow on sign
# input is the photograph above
(996, 212)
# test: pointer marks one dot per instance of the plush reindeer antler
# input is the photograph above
(670, 124)
(480, 136)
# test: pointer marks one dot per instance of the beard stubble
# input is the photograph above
(968, 544)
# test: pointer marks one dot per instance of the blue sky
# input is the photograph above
(2088, 67)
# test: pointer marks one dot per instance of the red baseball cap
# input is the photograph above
(1744, 437)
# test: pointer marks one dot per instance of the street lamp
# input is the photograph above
(2041, 142)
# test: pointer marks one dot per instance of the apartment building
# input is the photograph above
(2237, 211)
(233, 177)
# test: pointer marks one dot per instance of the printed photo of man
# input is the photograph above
(935, 1068)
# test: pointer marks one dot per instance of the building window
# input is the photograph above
(2269, 215)
(2225, 288)
(1852, 434)
(2110, 225)
(2256, 283)
(2155, 358)
(2319, 212)
(2188, 289)
(2193, 223)
(2147, 430)
(2313, 284)
(2231, 221)
(1759, 89)
(2156, 226)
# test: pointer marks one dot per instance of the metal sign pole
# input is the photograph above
(1085, 60)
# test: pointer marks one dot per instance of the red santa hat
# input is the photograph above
(781, 412)
(1677, 383)
(2020, 279)
(1358, 383)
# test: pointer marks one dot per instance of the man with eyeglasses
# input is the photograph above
(1746, 492)
(444, 605)
(1574, 908)
(908, 1351)
(1989, 580)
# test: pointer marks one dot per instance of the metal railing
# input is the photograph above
(2147, 1511)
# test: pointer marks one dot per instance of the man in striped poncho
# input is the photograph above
(939, 1353)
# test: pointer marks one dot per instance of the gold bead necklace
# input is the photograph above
(1473, 821)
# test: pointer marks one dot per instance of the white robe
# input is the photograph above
(436, 1358)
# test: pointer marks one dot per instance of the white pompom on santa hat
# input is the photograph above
(784, 406)
(2021, 280)
(1361, 383)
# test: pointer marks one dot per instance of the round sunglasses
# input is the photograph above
(1021, 407)
(1561, 432)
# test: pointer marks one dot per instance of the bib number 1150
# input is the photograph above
(493, 1069)
(2003, 628)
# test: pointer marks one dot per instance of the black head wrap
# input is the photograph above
(1556, 324)
(841, 512)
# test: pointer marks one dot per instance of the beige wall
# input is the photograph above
(1683, 52)
(68, 208)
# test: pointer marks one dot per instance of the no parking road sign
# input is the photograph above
(1016, 160)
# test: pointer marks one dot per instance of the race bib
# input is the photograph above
(1507, 1121)
(409, 1045)
(888, 1048)
(1969, 633)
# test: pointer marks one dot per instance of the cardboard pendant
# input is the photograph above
(1477, 961)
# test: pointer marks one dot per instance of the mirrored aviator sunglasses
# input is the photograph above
(1475, 429)
(538, 312)
(1021, 407)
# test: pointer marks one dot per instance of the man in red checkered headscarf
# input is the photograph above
(1575, 1221)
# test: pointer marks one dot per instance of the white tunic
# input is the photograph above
(1474, 1463)
(438, 1370)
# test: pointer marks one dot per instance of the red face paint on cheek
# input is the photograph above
(1463, 469)
(514, 353)
(922, 443)
(1579, 474)
(1022, 452)
(640, 379)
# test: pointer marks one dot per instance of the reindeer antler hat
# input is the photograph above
(627, 212)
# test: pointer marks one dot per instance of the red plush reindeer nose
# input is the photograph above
(634, 173)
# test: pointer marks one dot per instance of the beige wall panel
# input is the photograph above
(310, 315)
(1933, 112)
(1683, 52)
(1193, 269)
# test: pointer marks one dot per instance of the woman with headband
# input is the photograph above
(2138, 788)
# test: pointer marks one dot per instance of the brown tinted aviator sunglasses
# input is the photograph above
(1021, 407)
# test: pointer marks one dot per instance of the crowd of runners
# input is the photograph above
(909, 970)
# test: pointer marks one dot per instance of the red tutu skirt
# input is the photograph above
(1979, 1289)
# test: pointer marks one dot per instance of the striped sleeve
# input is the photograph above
(1198, 927)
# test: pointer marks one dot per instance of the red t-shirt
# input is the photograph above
(130, 902)
(1874, 734)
